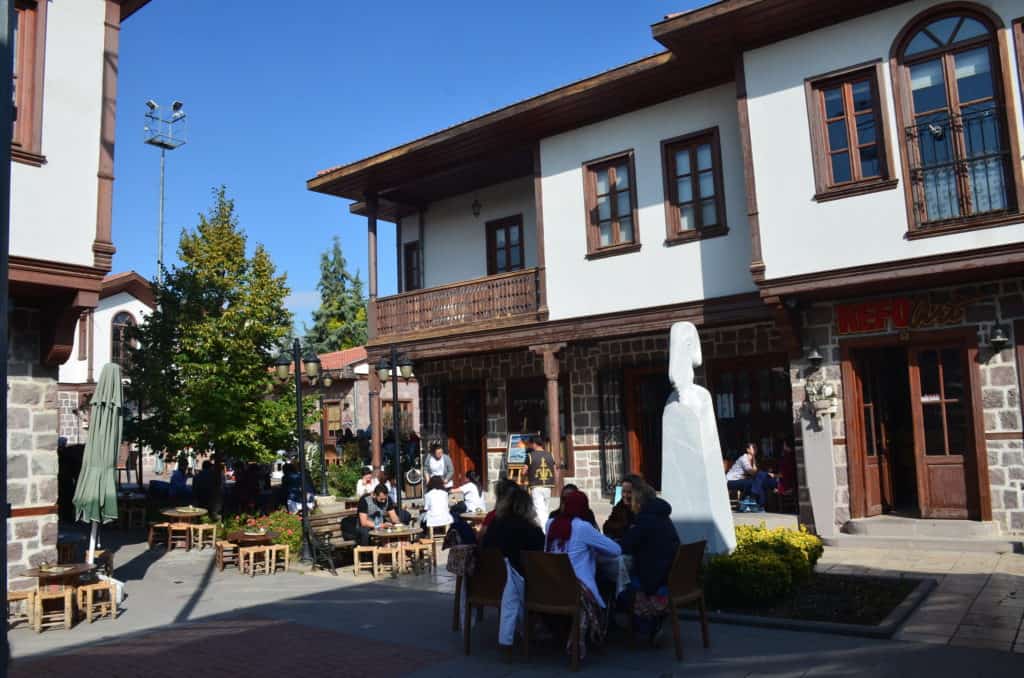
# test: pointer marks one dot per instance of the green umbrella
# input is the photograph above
(96, 493)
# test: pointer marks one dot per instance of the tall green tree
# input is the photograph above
(340, 321)
(203, 366)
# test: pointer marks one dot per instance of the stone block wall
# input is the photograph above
(32, 416)
(68, 423)
(996, 303)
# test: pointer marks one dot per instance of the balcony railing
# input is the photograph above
(958, 166)
(496, 298)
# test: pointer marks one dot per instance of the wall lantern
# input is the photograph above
(814, 357)
(476, 207)
(997, 338)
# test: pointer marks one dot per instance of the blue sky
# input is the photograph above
(273, 95)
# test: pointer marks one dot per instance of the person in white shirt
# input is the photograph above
(366, 484)
(435, 504)
(440, 464)
(570, 533)
(746, 478)
(472, 495)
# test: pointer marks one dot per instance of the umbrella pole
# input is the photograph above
(91, 556)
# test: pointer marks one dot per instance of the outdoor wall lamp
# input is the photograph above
(997, 338)
(814, 357)
(476, 207)
(384, 369)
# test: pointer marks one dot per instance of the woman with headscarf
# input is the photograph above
(572, 534)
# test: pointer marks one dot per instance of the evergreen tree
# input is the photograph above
(340, 321)
(203, 366)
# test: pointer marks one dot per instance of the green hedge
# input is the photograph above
(765, 567)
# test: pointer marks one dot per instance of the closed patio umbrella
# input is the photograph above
(96, 494)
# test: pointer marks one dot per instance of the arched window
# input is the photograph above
(119, 342)
(957, 138)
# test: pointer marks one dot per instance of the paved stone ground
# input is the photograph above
(182, 618)
(979, 601)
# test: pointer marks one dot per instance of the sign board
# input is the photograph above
(899, 313)
(516, 453)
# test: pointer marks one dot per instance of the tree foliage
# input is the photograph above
(202, 369)
(340, 321)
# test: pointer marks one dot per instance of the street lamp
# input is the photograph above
(166, 134)
(386, 369)
(311, 365)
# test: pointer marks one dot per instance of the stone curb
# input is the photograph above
(886, 629)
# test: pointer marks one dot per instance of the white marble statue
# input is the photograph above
(692, 476)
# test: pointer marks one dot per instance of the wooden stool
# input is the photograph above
(358, 564)
(433, 551)
(66, 552)
(203, 535)
(179, 534)
(280, 554)
(99, 600)
(159, 532)
(104, 561)
(60, 616)
(227, 554)
(437, 534)
(25, 602)
(387, 559)
(255, 560)
(416, 555)
(132, 516)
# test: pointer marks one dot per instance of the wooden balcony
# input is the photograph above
(494, 301)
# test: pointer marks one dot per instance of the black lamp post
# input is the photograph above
(311, 364)
(384, 372)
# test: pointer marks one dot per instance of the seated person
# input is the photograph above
(652, 541)
(435, 504)
(572, 533)
(375, 511)
(366, 483)
(568, 489)
(472, 494)
(179, 480)
(501, 490)
(745, 477)
(622, 513)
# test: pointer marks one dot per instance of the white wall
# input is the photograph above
(456, 241)
(657, 274)
(53, 207)
(801, 236)
(75, 371)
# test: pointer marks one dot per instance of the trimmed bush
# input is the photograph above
(747, 579)
(799, 549)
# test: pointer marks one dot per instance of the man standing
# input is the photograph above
(440, 464)
(541, 464)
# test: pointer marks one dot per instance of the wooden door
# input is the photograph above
(466, 429)
(873, 433)
(943, 430)
(646, 393)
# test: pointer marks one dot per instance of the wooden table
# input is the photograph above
(244, 540)
(67, 575)
(395, 534)
(186, 516)
(474, 516)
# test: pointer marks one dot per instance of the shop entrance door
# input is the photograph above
(466, 429)
(943, 430)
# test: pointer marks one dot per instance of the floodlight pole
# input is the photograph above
(160, 223)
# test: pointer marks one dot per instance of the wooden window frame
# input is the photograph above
(669, 147)
(824, 188)
(492, 228)
(123, 340)
(590, 168)
(26, 142)
(1000, 51)
(411, 253)
(1018, 42)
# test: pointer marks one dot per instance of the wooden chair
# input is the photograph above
(159, 532)
(358, 564)
(483, 588)
(132, 515)
(255, 560)
(62, 608)
(226, 554)
(67, 552)
(684, 589)
(20, 606)
(202, 535)
(322, 550)
(552, 589)
(179, 534)
(387, 559)
(416, 556)
(433, 551)
(280, 555)
(437, 534)
(99, 600)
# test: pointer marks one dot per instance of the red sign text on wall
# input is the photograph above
(880, 315)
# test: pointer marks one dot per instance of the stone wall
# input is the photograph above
(996, 303)
(31, 449)
(68, 422)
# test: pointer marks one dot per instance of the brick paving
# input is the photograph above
(979, 600)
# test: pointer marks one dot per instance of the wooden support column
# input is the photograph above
(538, 204)
(375, 432)
(371, 258)
(549, 352)
(423, 257)
(399, 259)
